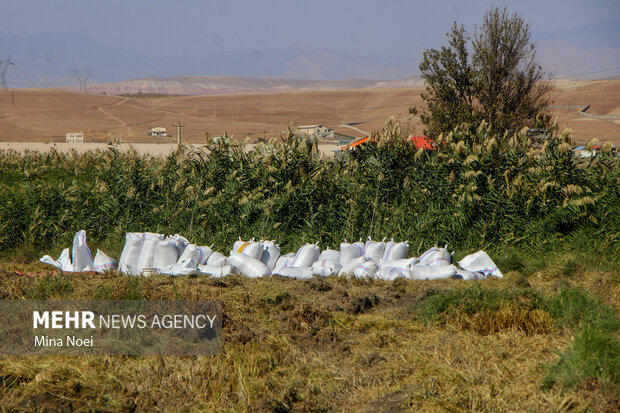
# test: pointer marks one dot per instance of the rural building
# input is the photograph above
(319, 131)
(75, 137)
(158, 131)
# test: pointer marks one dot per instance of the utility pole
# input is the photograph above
(179, 126)
(82, 77)
(4, 66)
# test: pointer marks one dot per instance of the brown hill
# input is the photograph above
(46, 115)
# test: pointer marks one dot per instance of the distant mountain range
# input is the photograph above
(213, 85)
(45, 60)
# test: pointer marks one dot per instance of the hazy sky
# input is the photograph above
(195, 27)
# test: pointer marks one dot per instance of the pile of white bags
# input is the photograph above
(147, 253)
(82, 259)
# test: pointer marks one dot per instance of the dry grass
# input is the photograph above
(318, 345)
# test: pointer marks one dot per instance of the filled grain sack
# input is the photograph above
(481, 262)
(325, 267)
(350, 252)
(283, 261)
(432, 272)
(248, 266)
(271, 253)
(469, 275)
(216, 271)
(103, 262)
(305, 256)
(166, 253)
(188, 267)
(366, 270)
(217, 259)
(199, 253)
(395, 251)
(348, 268)
(252, 249)
(405, 262)
(374, 250)
(329, 254)
(180, 243)
(296, 272)
(436, 256)
(130, 257)
(392, 273)
(82, 258)
(147, 253)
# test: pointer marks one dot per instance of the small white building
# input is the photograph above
(319, 131)
(158, 131)
(75, 137)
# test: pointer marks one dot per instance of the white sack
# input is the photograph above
(469, 275)
(103, 262)
(200, 254)
(349, 252)
(350, 266)
(189, 267)
(436, 256)
(396, 251)
(82, 258)
(248, 266)
(221, 271)
(325, 268)
(128, 263)
(296, 272)
(182, 242)
(147, 253)
(328, 254)
(166, 253)
(216, 259)
(374, 250)
(405, 262)
(283, 261)
(481, 262)
(432, 272)
(366, 270)
(63, 263)
(271, 253)
(251, 249)
(305, 257)
(392, 273)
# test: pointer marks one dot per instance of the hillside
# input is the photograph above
(46, 115)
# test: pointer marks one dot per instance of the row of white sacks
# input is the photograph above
(148, 253)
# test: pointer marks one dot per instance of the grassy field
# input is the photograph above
(544, 338)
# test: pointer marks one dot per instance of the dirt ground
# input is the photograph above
(45, 115)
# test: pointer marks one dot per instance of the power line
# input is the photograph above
(591, 73)
(82, 77)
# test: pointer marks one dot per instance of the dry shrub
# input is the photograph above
(486, 322)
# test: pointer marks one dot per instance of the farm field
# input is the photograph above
(543, 338)
(45, 115)
(340, 344)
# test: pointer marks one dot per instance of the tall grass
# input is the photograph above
(477, 190)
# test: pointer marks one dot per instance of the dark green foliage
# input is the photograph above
(471, 193)
(495, 79)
